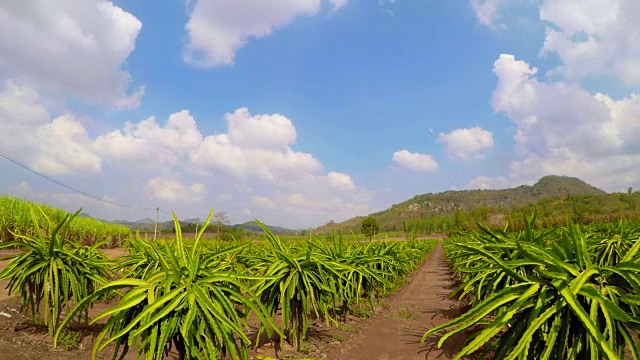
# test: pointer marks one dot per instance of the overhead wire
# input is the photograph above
(26, 167)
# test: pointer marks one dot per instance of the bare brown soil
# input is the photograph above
(3, 263)
(395, 333)
(392, 333)
(22, 339)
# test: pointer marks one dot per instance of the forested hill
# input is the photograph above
(491, 206)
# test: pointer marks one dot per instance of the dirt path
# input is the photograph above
(395, 334)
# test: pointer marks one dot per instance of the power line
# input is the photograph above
(69, 187)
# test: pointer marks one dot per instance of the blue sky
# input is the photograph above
(297, 112)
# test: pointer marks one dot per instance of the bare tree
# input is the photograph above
(220, 219)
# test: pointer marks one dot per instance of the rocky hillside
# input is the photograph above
(470, 201)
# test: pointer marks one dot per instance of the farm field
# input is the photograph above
(307, 288)
(565, 292)
(320, 180)
(395, 326)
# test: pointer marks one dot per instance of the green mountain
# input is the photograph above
(491, 206)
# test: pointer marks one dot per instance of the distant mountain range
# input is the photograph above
(254, 227)
(148, 224)
(446, 203)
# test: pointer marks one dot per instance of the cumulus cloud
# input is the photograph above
(217, 29)
(320, 206)
(338, 4)
(462, 143)
(563, 129)
(71, 47)
(326, 205)
(320, 198)
(65, 147)
(486, 182)
(598, 37)
(169, 163)
(167, 188)
(54, 146)
(254, 146)
(254, 159)
(487, 11)
(341, 181)
(263, 202)
(257, 146)
(415, 161)
(269, 132)
(147, 144)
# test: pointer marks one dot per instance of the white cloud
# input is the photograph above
(149, 145)
(487, 11)
(317, 198)
(321, 207)
(53, 146)
(256, 146)
(486, 182)
(253, 160)
(22, 189)
(595, 37)
(70, 47)
(65, 147)
(341, 181)
(462, 143)
(269, 132)
(217, 29)
(21, 106)
(263, 202)
(338, 4)
(563, 129)
(415, 161)
(168, 188)
(314, 201)
(165, 165)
